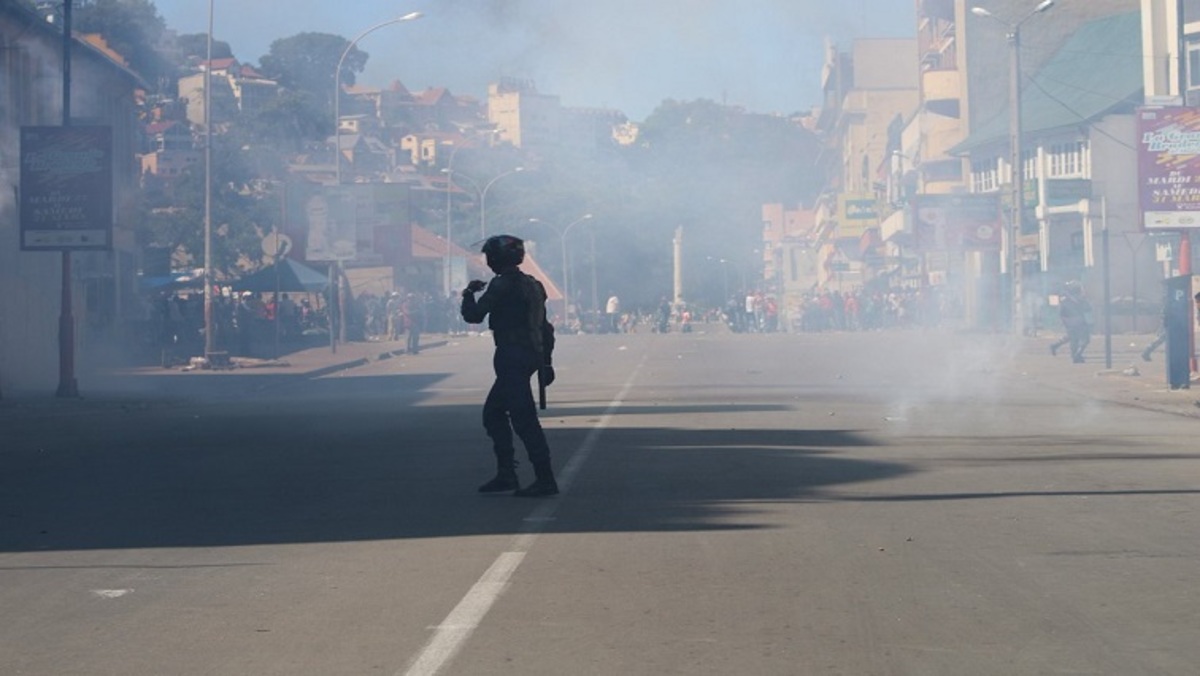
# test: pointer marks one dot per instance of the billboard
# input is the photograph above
(1169, 167)
(856, 213)
(331, 226)
(365, 223)
(66, 188)
(957, 222)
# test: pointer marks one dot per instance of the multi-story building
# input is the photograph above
(168, 151)
(1079, 163)
(523, 116)
(433, 109)
(964, 87)
(866, 89)
(789, 258)
(233, 84)
(102, 92)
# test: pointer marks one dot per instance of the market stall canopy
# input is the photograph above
(293, 277)
(175, 281)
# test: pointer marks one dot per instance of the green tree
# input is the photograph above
(307, 63)
(134, 29)
(195, 45)
(286, 124)
(242, 210)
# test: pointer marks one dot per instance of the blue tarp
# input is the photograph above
(293, 277)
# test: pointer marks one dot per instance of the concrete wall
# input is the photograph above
(30, 282)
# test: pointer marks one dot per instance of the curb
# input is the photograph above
(1189, 408)
(363, 361)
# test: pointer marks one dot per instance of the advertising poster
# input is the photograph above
(66, 188)
(856, 213)
(957, 222)
(370, 224)
(331, 227)
(1169, 167)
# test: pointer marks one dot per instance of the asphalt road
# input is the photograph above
(820, 504)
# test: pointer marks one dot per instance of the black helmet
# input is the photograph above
(504, 251)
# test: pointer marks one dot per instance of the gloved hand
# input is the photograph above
(546, 375)
(474, 286)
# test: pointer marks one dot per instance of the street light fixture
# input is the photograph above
(483, 200)
(337, 154)
(458, 174)
(449, 171)
(566, 276)
(1017, 163)
(337, 87)
(451, 176)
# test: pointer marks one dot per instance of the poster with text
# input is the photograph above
(1169, 167)
(957, 222)
(66, 188)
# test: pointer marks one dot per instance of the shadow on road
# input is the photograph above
(349, 462)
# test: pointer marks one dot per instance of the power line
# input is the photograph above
(1077, 114)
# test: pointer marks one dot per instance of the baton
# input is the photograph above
(541, 390)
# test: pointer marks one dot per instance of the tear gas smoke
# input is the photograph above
(621, 54)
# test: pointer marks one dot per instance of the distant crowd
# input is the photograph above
(862, 310)
(173, 323)
(172, 326)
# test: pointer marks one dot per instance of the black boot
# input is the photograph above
(505, 480)
(543, 486)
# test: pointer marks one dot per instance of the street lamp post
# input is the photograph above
(337, 87)
(449, 213)
(1013, 257)
(449, 171)
(337, 162)
(67, 385)
(483, 200)
(566, 273)
(209, 324)
(450, 177)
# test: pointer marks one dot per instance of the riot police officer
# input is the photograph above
(515, 307)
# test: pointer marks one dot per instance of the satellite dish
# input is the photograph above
(276, 245)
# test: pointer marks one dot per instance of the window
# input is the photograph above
(985, 175)
(1193, 71)
(1066, 160)
(1029, 166)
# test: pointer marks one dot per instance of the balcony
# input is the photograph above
(937, 9)
(941, 85)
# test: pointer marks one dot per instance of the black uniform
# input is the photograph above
(515, 307)
(1075, 312)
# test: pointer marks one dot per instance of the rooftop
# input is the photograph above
(1098, 71)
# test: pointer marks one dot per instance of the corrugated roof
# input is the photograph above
(1097, 71)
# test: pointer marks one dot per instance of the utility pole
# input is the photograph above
(1018, 181)
(67, 385)
(1185, 239)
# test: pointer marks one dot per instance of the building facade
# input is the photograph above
(103, 283)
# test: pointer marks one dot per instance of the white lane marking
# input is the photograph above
(111, 593)
(450, 636)
(452, 633)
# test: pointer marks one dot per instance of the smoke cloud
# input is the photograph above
(622, 54)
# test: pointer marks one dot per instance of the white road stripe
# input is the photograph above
(450, 636)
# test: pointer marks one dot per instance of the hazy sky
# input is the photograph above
(765, 55)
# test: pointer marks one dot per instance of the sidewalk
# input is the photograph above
(310, 362)
(138, 386)
(1130, 382)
